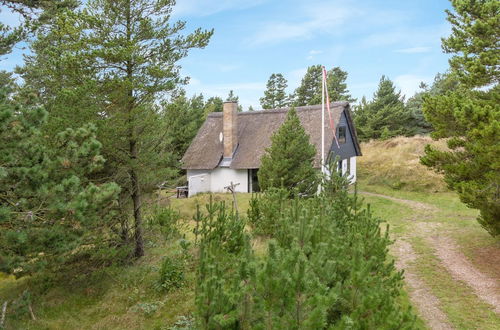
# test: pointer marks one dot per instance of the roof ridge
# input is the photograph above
(280, 110)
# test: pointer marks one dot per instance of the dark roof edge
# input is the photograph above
(352, 127)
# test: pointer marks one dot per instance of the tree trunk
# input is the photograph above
(136, 200)
(136, 191)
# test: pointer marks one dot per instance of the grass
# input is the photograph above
(402, 170)
(463, 308)
(121, 296)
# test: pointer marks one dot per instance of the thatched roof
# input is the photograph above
(254, 136)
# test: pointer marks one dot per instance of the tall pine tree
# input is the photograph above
(50, 212)
(309, 91)
(288, 162)
(385, 116)
(469, 117)
(113, 61)
(275, 94)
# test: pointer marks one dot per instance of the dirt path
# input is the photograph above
(413, 204)
(460, 268)
(449, 255)
(426, 303)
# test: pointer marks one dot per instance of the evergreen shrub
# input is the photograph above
(171, 273)
(326, 267)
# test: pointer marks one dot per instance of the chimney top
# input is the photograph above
(230, 128)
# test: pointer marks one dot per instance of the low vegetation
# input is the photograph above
(395, 163)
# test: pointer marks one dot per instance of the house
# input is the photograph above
(229, 145)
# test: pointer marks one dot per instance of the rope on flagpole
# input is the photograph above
(328, 107)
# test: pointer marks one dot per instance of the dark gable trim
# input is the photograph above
(352, 129)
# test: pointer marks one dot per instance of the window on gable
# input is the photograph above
(342, 134)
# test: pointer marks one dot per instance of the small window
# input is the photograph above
(348, 160)
(342, 134)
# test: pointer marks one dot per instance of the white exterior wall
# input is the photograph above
(353, 175)
(198, 181)
(223, 176)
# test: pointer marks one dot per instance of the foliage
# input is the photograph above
(265, 208)
(214, 104)
(34, 13)
(327, 267)
(184, 323)
(288, 162)
(110, 63)
(50, 212)
(309, 91)
(442, 84)
(231, 97)
(182, 117)
(385, 116)
(469, 117)
(166, 220)
(275, 94)
(171, 273)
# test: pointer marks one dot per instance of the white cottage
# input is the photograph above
(229, 145)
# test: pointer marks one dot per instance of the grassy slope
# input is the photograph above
(395, 163)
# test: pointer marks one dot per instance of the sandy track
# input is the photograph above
(421, 296)
(449, 255)
(461, 269)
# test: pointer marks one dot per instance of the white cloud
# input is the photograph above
(210, 7)
(429, 35)
(315, 52)
(408, 83)
(248, 92)
(322, 17)
(413, 50)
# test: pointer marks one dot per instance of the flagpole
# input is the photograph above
(323, 124)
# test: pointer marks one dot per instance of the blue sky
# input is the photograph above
(254, 38)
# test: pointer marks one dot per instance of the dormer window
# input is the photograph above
(342, 134)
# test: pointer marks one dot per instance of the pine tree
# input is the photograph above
(275, 94)
(385, 116)
(315, 274)
(49, 211)
(337, 87)
(213, 104)
(109, 64)
(34, 14)
(469, 117)
(288, 162)
(442, 84)
(182, 118)
(309, 91)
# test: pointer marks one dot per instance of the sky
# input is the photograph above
(255, 38)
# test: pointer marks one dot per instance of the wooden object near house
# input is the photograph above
(232, 189)
(182, 191)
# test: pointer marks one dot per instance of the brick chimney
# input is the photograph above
(230, 128)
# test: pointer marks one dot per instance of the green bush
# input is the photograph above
(171, 273)
(166, 220)
(327, 266)
(265, 208)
